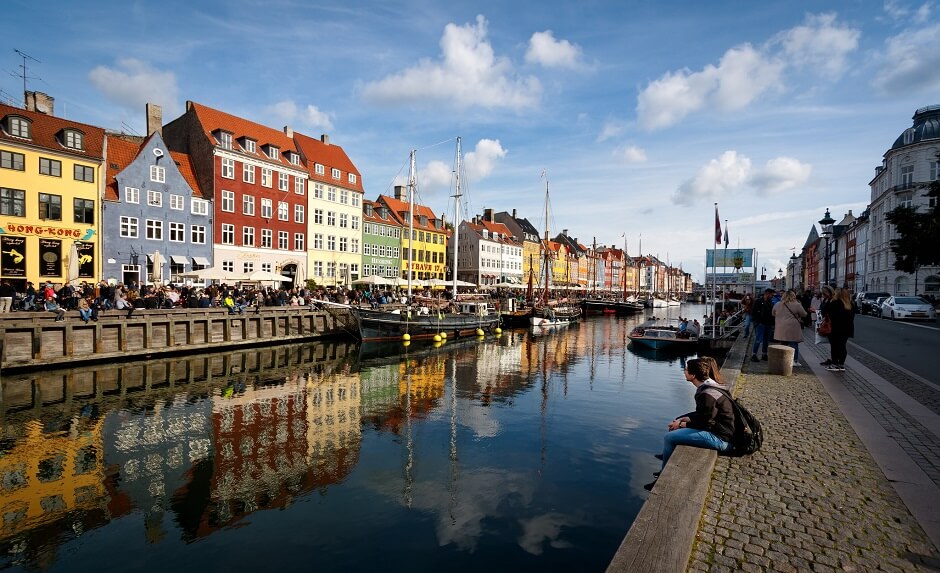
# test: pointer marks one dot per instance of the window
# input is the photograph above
(266, 267)
(282, 240)
(228, 234)
(50, 167)
(906, 176)
(318, 190)
(283, 181)
(343, 221)
(248, 205)
(267, 238)
(355, 222)
(299, 186)
(228, 201)
(352, 178)
(318, 241)
(318, 268)
(176, 202)
(158, 174)
(177, 232)
(336, 173)
(84, 173)
(228, 168)
(10, 160)
(50, 207)
(344, 197)
(343, 245)
(265, 177)
(248, 173)
(248, 236)
(84, 211)
(295, 159)
(298, 213)
(331, 218)
(129, 227)
(154, 198)
(228, 266)
(318, 216)
(248, 267)
(273, 152)
(355, 199)
(282, 211)
(267, 208)
(20, 127)
(905, 199)
(74, 139)
(154, 230)
(298, 241)
(197, 234)
(199, 207)
(330, 270)
(367, 249)
(319, 169)
(934, 170)
(331, 194)
(355, 245)
(250, 145)
(225, 140)
(331, 242)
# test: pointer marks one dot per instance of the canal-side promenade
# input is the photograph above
(848, 478)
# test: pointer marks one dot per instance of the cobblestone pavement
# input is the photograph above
(813, 498)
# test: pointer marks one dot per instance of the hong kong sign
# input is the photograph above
(45, 231)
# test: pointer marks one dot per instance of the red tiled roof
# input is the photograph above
(375, 218)
(330, 156)
(496, 231)
(400, 212)
(45, 128)
(213, 119)
(122, 152)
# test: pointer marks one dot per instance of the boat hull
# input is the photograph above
(377, 326)
(659, 343)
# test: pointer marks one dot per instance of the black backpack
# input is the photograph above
(748, 433)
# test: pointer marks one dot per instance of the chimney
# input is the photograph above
(488, 215)
(289, 131)
(154, 119)
(564, 232)
(400, 192)
(513, 213)
(325, 139)
(850, 214)
(38, 101)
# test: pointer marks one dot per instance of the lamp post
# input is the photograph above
(826, 230)
(792, 269)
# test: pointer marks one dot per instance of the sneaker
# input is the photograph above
(656, 474)
(796, 364)
(826, 363)
(754, 358)
(649, 486)
(835, 368)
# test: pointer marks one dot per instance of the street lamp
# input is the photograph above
(826, 227)
(792, 269)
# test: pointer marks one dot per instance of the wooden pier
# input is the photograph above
(30, 340)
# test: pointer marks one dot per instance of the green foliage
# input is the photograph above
(311, 284)
(918, 233)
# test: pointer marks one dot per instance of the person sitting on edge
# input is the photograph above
(52, 306)
(711, 425)
(84, 309)
(229, 303)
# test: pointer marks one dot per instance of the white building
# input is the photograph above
(902, 179)
(488, 253)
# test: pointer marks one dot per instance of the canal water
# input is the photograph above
(526, 452)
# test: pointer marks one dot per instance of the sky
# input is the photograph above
(637, 116)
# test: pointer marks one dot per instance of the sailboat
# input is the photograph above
(460, 317)
(550, 312)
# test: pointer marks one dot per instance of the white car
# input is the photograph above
(907, 307)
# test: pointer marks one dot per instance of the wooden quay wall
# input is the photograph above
(30, 340)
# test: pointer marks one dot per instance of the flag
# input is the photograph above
(717, 226)
(726, 235)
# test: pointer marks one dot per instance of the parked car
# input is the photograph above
(907, 307)
(875, 309)
(868, 302)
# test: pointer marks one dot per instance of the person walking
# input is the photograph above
(788, 323)
(747, 303)
(763, 319)
(841, 315)
(7, 294)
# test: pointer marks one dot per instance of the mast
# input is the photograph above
(456, 213)
(547, 258)
(411, 220)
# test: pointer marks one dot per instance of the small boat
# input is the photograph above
(662, 333)
(555, 315)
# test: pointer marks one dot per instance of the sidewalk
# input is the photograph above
(816, 497)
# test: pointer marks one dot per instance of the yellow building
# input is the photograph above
(428, 239)
(50, 189)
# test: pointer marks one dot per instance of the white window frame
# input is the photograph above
(352, 178)
(283, 211)
(130, 227)
(300, 186)
(248, 236)
(228, 201)
(298, 241)
(225, 140)
(197, 234)
(248, 205)
(158, 174)
(283, 240)
(154, 198)
(131, 195)
(266, 177)
(319, 169)
(298, 213)
(228, 234)
(248, 173)
(176, 202)
(154, 230)
(283, 181)
(176, 230)
(267, 208)
(250, 146)
(267, 238)
(336, 173)
(199, 206)
(228, 168)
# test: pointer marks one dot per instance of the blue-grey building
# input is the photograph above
(155, 224)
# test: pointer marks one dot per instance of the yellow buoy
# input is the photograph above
(406, 343)
(479, 332)
(437, 344)
(437, 338)
(406, 337)
(498, 331)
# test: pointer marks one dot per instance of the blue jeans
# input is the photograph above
(691, 437)
(86, 314)
(796, 350)
(761, 338)
(747, 324)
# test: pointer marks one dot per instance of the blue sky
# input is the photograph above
(642, 114)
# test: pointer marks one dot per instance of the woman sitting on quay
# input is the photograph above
(711, 425)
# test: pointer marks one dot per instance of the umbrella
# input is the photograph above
(374, 280)
(216, 274)
(507, 284)
(157, 274)
(264, 276)
(73, 264)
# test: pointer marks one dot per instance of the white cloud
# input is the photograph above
(898, 11)
(610, 130)
(730, 172)
(480, 162)
(133, 83)
(781, 174)
(546, 51)
(820, 44)
(716, 178)
(435, 176)
(468, 74)
(742, 75)
(632, 154)
(910, 62)
(288, 113)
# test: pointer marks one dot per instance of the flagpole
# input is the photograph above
(726, 262)
(715, 268)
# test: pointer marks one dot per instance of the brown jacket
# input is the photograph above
(788, 321)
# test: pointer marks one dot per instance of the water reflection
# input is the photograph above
(521, 447)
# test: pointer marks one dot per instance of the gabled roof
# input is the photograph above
(123, 151)
(399, 210)
(812, 237)
(45, 129)
(331, 157)
(374, 217)
(497, 232)
(213, 120)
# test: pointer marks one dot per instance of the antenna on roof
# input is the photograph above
(24, 73)
(125, 125)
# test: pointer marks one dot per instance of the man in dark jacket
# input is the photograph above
(762, 317)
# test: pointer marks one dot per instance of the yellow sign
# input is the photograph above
(43, 231)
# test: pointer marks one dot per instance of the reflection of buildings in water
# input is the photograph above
(53, 485)
(426, 378)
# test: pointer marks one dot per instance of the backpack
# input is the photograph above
(748, 433)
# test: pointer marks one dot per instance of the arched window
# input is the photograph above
(900, 286)
(932, 285)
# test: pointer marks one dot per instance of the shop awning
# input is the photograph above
(179, 259)
(201, 261)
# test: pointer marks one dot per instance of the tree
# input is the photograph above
(918, 234)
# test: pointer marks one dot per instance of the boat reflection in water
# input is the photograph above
(519, 452)
(665, 354)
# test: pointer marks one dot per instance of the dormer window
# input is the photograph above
(294, 158)
(73, 139)
(273, 152)
(336, 173)
(248, 145)
(224, 138)
(19, 127)
(319, 169)
(352, 178)
(368, 210)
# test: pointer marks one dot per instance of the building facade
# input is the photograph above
(381, 241)
(424, 251)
